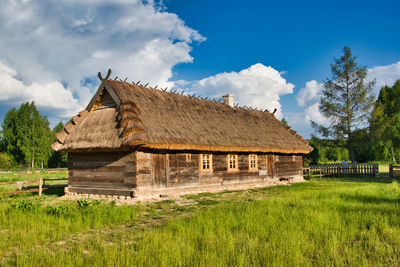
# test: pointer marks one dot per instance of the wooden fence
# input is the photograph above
(356, 169)
(32, 171)
(311, 173)
(24, 184)
(394, 171)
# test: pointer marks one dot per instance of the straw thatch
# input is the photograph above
(163, 120)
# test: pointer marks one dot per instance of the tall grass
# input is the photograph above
(323, 222)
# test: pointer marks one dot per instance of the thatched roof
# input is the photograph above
(125, 116)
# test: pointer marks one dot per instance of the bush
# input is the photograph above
(5, 161)
(26, 205)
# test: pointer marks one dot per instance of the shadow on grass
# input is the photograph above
(371, 199)
(385, 180)
(58, 191)
(49, 190)
(390, 211)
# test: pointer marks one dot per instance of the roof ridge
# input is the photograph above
(210, 100)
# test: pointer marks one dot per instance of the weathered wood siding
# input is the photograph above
(287, 166)
(102, 173)
(182, 169)
(124, 172)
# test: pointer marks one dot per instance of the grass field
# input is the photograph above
(334, 221)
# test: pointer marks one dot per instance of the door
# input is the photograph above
(159, 170)
(270, 165)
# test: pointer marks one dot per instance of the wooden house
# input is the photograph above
(134, 141)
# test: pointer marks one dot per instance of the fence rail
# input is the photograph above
(394, 171)
(23, 184)
(367, 169)
(41, 184)
(310, 173)
(32, 171)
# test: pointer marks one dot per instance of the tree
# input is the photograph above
(284, 121)
(5, 161)
(58, 159)
(347, 99)
(26, 135)
(385, 123)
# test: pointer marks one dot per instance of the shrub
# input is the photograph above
(5, 161)
(87, 203)
(26, 205)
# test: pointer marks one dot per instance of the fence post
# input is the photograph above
(40, 187)
(390, 170)
(309, 174)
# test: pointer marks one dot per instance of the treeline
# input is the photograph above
(378, 141)
(26, 138)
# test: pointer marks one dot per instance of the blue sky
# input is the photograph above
(270, 54)
(299, 37)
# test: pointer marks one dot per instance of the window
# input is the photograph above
(276, 158)
(188, 157)
(206, 162)
(232, 162)
(293, 158)
(253, 162)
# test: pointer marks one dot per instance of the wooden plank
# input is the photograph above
(159, 169)
(112, 179)
(98, 185)
(96, 169)
(23, 191)
(101, 174)
(30, 181)
(113, 95)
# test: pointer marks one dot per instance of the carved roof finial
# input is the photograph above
(106, 78)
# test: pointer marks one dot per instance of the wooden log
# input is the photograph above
(30, 181)
(40, 187)
(390, 170)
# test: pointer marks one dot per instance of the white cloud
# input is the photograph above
(301, 121)
(257, 86)
(384, 75)
(59, 46)
(310, 93)
(312, 113)
(50, 96)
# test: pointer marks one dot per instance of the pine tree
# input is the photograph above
(347, 99)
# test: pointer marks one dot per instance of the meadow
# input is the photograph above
(329, 221)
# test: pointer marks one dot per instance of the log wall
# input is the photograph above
(102, 173)
(182, 169)
(127, 173)
(286, 166)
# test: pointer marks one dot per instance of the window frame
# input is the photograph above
(255, 168)
(210, 169)
(236, 161)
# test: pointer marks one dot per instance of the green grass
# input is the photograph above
(333, 221)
